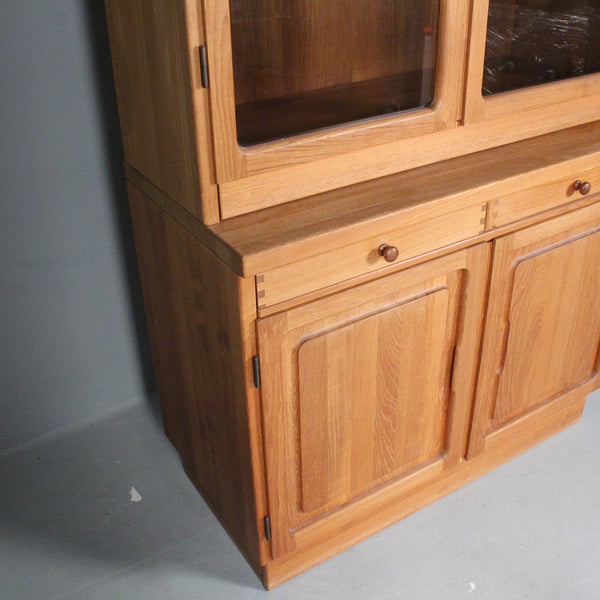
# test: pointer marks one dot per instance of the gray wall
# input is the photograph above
(72, 341)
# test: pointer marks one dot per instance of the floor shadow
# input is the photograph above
(66, 510)
(97, 31)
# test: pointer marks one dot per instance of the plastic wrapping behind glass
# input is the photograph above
(531, 42)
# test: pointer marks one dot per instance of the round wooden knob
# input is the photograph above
(584, 187)
(389, 253)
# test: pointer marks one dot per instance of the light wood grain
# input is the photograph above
(298, 180)
(162, 111)
(200, 322)
(527, 179)
(538, 198)
(384, 386)
(373, 401)
(474, 109)
(194, 22)
(171, 134)
(563, 319)
(515, 104)
(416, 236)
(281, 234)
(543, 326)
(229, 161)
(344, 528)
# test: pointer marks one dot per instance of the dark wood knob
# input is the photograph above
(389, 253)
(584, 187)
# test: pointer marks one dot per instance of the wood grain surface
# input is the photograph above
(357, 389)
(200, 319)
(163, 112)
(543, 325)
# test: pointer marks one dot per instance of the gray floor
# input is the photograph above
(529, 530)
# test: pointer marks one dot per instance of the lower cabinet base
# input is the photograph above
(308, 416)
(342, 533)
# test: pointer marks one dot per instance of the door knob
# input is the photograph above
(389, 253)
(584, 187)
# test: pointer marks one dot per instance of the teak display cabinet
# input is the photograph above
(369, 242)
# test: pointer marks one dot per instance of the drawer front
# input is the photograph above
(533, 200)
(361, 258)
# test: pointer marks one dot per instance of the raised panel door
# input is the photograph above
(373, 398)
(543, 326)
(359, 391)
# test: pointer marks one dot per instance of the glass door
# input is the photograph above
(292, 81)
(546, 50)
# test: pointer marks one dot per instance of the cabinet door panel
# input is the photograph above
(543, 326)
(554, 326)
(358, 390)
(373, 399)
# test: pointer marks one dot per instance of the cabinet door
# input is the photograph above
(359, 394)
(543, 325)
(294, 81)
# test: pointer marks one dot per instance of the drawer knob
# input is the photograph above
(584, 187)
(389, 253)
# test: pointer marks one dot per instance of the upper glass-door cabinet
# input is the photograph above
(531, 54)
(296, 80)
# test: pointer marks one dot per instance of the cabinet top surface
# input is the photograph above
(268, 238)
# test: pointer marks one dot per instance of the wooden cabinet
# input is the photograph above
(330, 81)
(371, 273)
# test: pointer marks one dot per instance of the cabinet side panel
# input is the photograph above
(151, 42)
(202, 343)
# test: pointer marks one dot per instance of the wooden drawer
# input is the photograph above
(533, 200)
(361, 258)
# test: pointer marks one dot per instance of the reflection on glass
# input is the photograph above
(301, 65)
(530, 42)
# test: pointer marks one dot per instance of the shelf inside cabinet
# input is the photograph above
(274, 118)
(298, 66)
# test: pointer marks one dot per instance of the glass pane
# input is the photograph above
(301, 65)
(530, 42)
